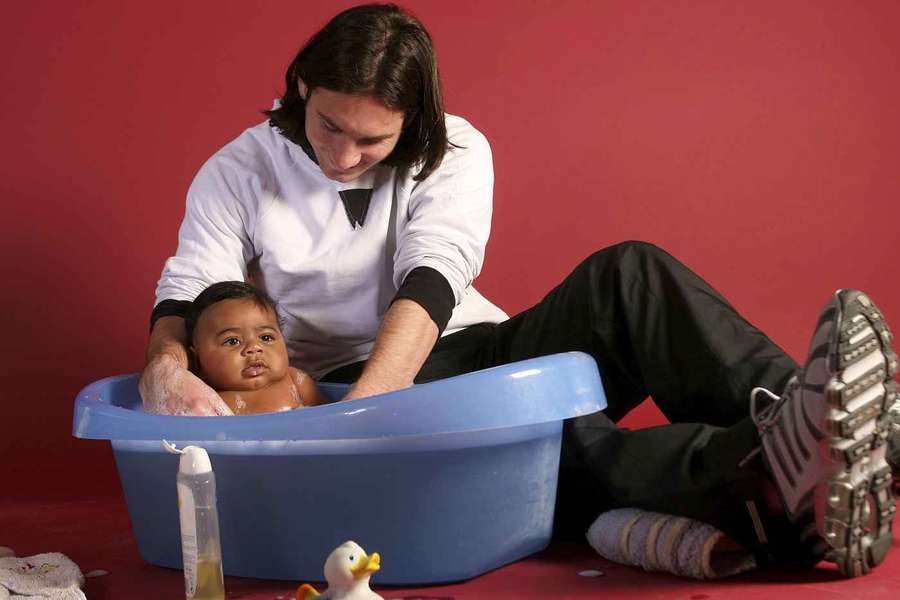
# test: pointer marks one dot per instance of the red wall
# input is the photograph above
(758, 141)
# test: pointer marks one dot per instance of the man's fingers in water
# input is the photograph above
(220, 407)
(202, 408)
(214, 402)
(209, 402)
(177, 391)
(201, 400)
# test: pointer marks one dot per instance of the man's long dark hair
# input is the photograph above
(381, 51)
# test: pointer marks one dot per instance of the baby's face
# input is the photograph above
(239, 346)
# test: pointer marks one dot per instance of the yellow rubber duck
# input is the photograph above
(347, 571)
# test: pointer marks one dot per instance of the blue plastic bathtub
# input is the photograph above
(446, 480)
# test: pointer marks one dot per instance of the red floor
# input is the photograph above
(96, 535)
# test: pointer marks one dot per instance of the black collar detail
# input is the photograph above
(356, 205)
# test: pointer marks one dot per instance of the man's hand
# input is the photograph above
(167, 388)
(405, 338)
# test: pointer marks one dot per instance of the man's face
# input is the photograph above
(239, 346)
(349, 133)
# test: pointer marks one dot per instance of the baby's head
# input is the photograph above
(233, 332)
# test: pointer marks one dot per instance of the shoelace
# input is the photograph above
(766, 416)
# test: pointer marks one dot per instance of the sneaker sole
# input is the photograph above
(855, 506)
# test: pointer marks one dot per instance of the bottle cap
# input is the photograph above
(194, 461)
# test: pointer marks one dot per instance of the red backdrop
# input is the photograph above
(759, 142)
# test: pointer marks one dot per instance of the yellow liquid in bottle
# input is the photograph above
(210, 585)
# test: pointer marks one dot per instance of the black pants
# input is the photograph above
(654, 328)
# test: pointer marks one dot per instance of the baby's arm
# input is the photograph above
(310, 394)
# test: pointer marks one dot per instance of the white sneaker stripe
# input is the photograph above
(863, 365)
(867, 396)
(862, 335)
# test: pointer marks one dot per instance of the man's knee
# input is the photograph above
(631, 251)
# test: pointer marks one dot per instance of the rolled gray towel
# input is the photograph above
(659, 542)
(48, 576)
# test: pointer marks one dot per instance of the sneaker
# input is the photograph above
(893, 449)
(824, 440)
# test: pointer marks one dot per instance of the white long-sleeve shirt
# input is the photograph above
(261, 210)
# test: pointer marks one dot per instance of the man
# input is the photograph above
(364, 211)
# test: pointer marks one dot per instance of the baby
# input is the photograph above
(238, 350)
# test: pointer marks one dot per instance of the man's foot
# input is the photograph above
(825, 439)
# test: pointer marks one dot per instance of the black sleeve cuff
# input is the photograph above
(168, 308)
(431, 290)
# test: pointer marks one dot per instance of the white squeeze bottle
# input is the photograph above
(199, 526)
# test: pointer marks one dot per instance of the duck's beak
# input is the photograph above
(366, 566)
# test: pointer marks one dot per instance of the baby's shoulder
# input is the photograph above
(310, 394)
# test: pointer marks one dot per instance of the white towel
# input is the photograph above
(659, 542)
(50, 576)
